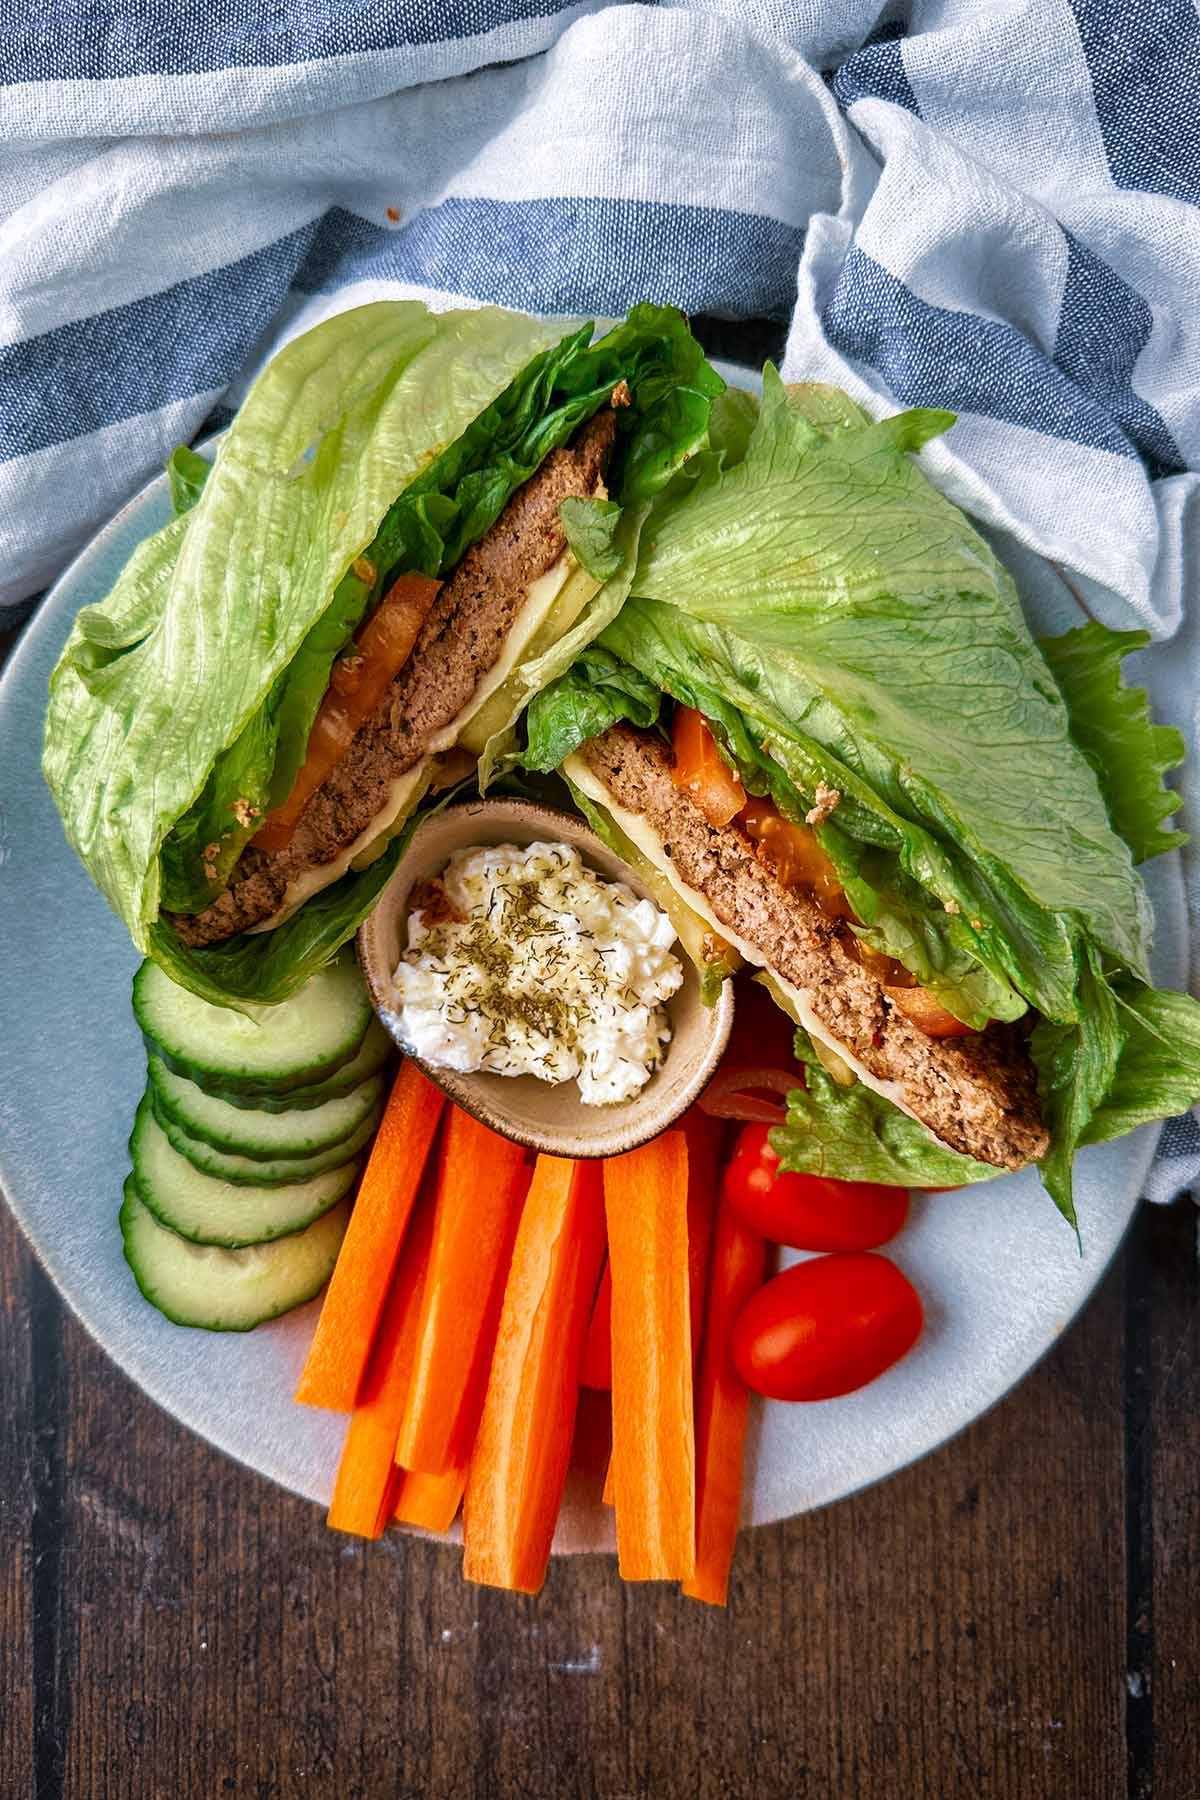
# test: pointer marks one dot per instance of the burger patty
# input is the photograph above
(460, 641)
(977, 1094)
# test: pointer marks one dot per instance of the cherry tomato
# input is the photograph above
(807, 1211)
(826, 1327)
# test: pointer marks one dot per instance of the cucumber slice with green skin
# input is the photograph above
(370, 1060)
(238, 1131)
(257, 1171)
(227, 1290)
(272, 1048)
(207, 1210)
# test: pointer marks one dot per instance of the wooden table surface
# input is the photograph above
(1016, 1616)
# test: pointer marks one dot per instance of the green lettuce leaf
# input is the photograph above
(853, 1134)
(187, 472)
(979, 912)
(837, 621)
(591, 527)
(1158, 1072)
(457, 497)
(1112, 726)
(268, 966)
(1076, 1065)
(731, 425)
(182, 704)
(866, 614)
(198, 855)
(596, 691)
(160, 679)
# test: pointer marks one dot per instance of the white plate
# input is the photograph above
(996, 1265)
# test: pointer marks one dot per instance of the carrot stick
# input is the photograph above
(654, 1473)
(338, 1354)
(519, 1466)
(597, 1351)
(362, 1495)
(704, 1138)
(722, 1403)
(609, 1496)
(481, 1183)
(430, 1501)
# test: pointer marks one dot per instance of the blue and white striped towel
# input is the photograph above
(991, 208)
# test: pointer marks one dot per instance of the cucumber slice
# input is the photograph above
(208, 1210)
(240, 1131)
(227, 1290)
(370, 1059)
(298, 1042)
(257, 1171)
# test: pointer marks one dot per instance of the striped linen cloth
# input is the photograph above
(993, 208)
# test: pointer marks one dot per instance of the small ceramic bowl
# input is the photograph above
(544, 1116)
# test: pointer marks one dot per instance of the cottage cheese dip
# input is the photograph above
(522, 961)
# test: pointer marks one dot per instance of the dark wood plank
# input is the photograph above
(1165, 1459)
(957, 1631)
(17, 1451)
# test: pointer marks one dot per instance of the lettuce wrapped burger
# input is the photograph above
(414, 522)
(821, 725)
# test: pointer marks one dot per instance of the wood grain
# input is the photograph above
(17, 1449)
(960, 1630)
(1166, 1461)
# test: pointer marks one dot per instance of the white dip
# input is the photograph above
(524, 962)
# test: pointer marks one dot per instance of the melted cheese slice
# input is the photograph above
(405, 793)
(798, 1000)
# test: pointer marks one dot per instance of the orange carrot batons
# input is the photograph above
(722, 1403)
(481, 1183)
(338, 1354)
(362, 1495)
(653, 1468)
(523, 1447)
(430, 1501)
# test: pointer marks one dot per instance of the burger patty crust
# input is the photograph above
(459, 643)
(978, 1094)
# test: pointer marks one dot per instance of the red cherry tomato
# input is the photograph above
(826, 1327)
(807, 1211)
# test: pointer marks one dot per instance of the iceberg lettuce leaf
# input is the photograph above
(1111, 724)
(1158, 1071)
(868, 614)
(162, 677)
(1076, 1065)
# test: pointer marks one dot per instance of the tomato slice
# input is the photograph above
(701, 771)
(827, 1327)
(357, 684)
(926, 1013)
(742, 1094)
(794, 856)
(808, 1212)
